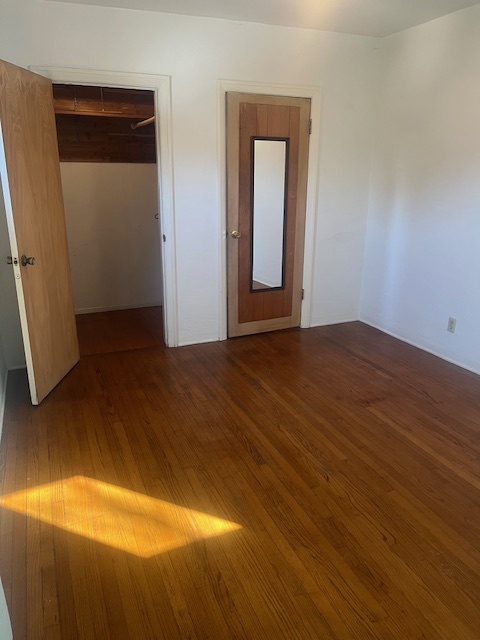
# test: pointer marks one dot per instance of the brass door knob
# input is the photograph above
(24, 260)
(235, 234)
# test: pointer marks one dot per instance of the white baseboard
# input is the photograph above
(420, 346)
(79, 312)
(191, 343)
(328, 320)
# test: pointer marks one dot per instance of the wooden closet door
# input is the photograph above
(32, 190)
(253, 120)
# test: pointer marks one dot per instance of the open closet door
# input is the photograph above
(32, 190)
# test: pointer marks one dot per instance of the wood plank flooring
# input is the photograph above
(304, 484)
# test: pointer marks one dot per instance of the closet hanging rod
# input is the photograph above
(143, 123)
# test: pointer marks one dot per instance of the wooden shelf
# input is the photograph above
(103, 101)
(94, 124)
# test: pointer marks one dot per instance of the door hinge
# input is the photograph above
(310, 128)
(303, 294)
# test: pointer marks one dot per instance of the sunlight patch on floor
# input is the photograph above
(117, 517)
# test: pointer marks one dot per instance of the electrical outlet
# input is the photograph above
(452, 325)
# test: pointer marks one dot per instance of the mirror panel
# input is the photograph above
(268, 213)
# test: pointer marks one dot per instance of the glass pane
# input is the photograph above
(268, 213)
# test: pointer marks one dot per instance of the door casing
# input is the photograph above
(161, 86)
(292, 91)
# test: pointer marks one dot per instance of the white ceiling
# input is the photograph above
(362, 17)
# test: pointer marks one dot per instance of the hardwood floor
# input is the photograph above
(320, 483)
(112, 331)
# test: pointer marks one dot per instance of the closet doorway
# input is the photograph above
(107, 148)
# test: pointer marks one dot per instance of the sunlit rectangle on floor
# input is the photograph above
(117, 517)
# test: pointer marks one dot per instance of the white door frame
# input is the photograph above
(291, 91)
(161, 86)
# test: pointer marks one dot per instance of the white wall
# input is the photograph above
(5, 626)
(113, 236)
(10, 329)
(423, 249)
(268, 211)
(196, 53)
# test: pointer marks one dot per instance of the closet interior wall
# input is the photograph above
(109, 179)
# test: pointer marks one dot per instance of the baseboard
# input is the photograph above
(421, 347)
(325, 322)
(192, 343)
(79, 312)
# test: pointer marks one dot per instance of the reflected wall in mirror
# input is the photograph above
(269, 176)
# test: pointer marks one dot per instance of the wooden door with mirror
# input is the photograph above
(267, 162)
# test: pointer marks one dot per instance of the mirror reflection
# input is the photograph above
(268, 213)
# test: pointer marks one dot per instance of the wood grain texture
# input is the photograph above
(100, 139)
(109, 332)
(94, 124)
(350, 461)
(34, 187)
(115, 102)
(249, 116)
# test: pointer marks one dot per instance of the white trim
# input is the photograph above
(85, 310)
(419, 346)
(331, 320)
(161, 85)
(191, 343)
(292, 91)
(16, 270)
